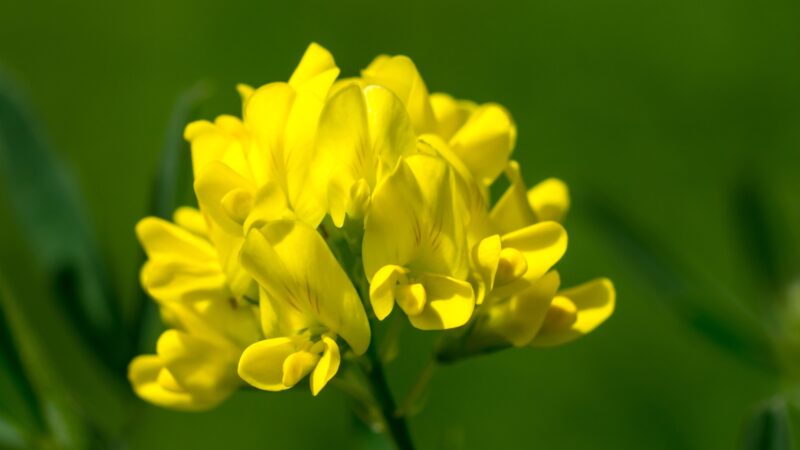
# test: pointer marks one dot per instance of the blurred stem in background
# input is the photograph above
(763, 332)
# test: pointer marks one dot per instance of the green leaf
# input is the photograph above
(62, 422)
(762, 234)
(45, 200)
(688, 295)
(17, 398)
(173, 184)
(172, 187)
(768, 428)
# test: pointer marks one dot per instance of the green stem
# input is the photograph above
(396, 426)
(412, 399)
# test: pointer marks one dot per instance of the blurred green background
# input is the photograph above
(656, 110)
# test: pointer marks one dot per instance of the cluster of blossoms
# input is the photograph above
(332, 203)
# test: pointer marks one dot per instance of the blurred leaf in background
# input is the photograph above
(51, 212)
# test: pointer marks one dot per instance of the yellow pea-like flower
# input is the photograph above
(258, 288)
(481, 137)
(516, 244)
(307, 302)
(270, 148)
(362, 134)
(194, 367)
(415, 248)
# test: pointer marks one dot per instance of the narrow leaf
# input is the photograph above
(45, 200)
(768, 428)
(762, 234)
(687, 294)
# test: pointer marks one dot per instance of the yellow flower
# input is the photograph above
(242, 167)
(523, 305)
(481, 137)
(252, 293)
(415, 248)
(307, 301)
(194, 367)
(362, 134)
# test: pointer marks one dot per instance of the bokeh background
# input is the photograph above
(658, 114)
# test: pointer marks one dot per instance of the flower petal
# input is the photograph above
(327, 366)
(513, 211)
(393, 226)
(162, 239)
(225, 140)
(549, 199)
(294, 265)
(485, 142)
(519, 318)
(196, 363)
(316, 71)
(390, 131)
(153, 383)
(590, 303)
(451, 114)
(542, 245)
(400, 75)
(297, 365)
(449, 304)
(485, 259)
(381, 289)
(261, 364)
(343, 149)
(212, 186)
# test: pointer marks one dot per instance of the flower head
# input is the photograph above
(327, 204)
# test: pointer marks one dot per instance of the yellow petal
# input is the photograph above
(342, 148)
(316, 71)
(449, 303)
(591, 304)
(485, 142)
(381, 289)
(519, 318)
(451, 114)
(245, 92)
(327, 366)
(549, 199)
(269, 205)
(192, 220)
(297, 365)
(513, 211)
(400, 75)
(147, 376)
(162, 239)
(294, 265)
(212, 186)
(261, 364)
(390, 132)
(265, 116)
(485, 259)
(415, 223)
(393, 227)
(227, 323)
(411, 298)
(170, 280)
(298, 157)
(226, 140)
(197, 363)
(542, 245)
(470, 196)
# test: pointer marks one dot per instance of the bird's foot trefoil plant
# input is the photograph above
(333, 206)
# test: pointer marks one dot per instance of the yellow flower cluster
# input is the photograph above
(253, 290)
